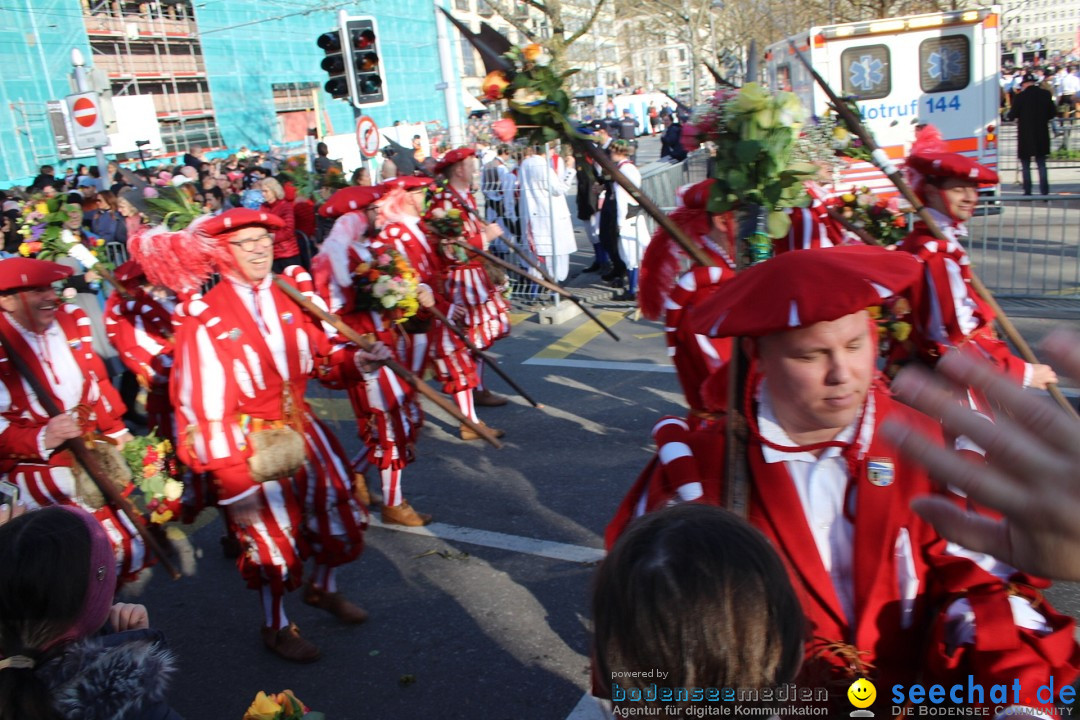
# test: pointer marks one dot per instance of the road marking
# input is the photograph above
(500, 541)
(599, 364)
(578, 337)
(519, 317)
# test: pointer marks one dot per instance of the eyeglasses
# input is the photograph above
(250, 244)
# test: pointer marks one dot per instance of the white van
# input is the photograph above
(940, 68)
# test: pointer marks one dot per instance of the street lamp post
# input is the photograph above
(82, 84)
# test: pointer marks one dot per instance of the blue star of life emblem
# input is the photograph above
(866, 73)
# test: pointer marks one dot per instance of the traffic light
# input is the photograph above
(352, 61)
(335, 63)
(368, 84)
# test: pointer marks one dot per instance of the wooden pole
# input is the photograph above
(405, 374)
(481, 354)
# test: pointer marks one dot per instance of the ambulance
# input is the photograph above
(940, 68)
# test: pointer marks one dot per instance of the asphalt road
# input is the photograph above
(483, 614)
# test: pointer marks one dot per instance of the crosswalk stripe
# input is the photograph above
(501, 541)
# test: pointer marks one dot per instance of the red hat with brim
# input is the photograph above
(799, 289)
(350, 199)
(952, 165)
(405, 182)
(453, 157)
(25, 273)
(696, 196)
(130, 271)
(238, 219)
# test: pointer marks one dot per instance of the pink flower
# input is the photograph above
(689, 137)
(504, 129)
(383, 259)
(149, 192)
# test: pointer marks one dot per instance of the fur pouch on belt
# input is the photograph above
(495, 273)
(277, 453)
(114, 466)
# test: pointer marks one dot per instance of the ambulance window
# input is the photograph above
(783, 77)
(944, 64)
(866, 71)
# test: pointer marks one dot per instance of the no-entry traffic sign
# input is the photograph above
(85, 112)
(367, 136)
(88, 125)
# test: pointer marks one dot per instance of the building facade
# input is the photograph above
(1040, 30)
(221, 75)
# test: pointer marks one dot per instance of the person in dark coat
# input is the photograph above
(671, 141)
(68, 651)
(1033, 109)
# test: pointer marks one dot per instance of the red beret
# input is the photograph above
(696, 196)
(405, 182)
(952, 165)
(237, 219)
(350, 199)
(454, 156)
(129, 271)
(798, 289)
(21, 273)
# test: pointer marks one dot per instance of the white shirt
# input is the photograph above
(1070, 85)
(266, 318)
(821, 483)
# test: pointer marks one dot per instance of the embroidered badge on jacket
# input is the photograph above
(287, 317)
(880, 472)
(235, 334)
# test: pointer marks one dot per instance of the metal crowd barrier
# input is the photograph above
(1028, 248)
(1064, 147)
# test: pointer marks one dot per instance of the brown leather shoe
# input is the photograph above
(404, 514)
(486, 398)
(335, 604)
(467, 432)
(287, 644)
(360, 490)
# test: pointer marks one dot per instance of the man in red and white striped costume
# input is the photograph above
(812, 227)
(140, 328)
(54, 340)
(699, 360)
(947, 311)
(387, 413)
(475, 303)
(244, 354)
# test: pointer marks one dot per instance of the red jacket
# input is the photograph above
(894, 646)
(285, 245)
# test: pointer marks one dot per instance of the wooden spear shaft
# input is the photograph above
(496, 260)
(452, 327)
(549, 282)
(405, 374)
(88, 461)
(893, 173)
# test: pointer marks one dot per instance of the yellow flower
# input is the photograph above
(42, 208)
(531, 52)
(901, 331)
(264, 708)
(100, 242)
(848, 198)
(875, 312)
(161, 516)
(24, 249)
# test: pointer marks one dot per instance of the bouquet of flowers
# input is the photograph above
(154, 468)
(280, 706)
(447, 225)
(893, 320)
(534, 91)
(48, 227)
(754, 133)
(387, 284)
(879, 217)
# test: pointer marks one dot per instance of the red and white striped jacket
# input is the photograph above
(226, 375)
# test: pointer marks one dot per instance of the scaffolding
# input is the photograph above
(154, 49)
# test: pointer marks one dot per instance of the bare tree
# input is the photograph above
(553, 31)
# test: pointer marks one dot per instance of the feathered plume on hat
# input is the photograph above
(928, 141)
(181, 260)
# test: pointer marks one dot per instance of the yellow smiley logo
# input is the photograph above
(862, 693)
